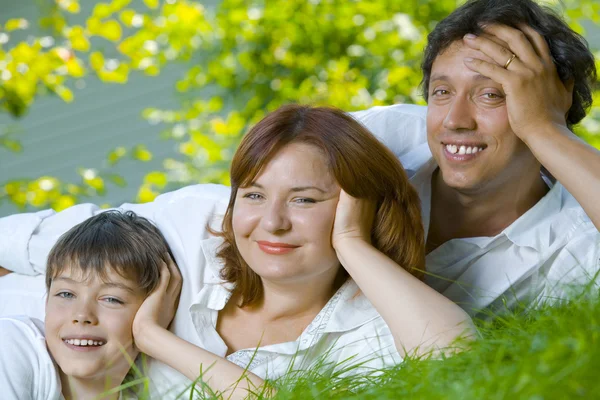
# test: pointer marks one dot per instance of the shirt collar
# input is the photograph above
(347, 309)
(532, 229)
(529, 230)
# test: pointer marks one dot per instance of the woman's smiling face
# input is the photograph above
(282, 221)
(88, 323)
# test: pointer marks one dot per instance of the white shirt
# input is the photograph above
(27, 371)
(546, 254)
(347, 328)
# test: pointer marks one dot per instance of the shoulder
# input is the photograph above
(401, 127)
(575, 242)
(21, 326)
(26, 368)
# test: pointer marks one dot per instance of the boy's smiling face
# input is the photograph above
(88, 323)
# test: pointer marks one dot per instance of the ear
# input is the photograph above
(569, 85)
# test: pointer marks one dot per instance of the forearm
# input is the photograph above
(193, 362)
(574, 163)
(419, 318)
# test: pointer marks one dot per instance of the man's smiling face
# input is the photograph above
(468, 128)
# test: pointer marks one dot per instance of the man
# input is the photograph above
(500, 105)
(501, 100)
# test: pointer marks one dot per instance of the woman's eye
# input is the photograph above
(65, 295)
(252, 196)
(305, 200)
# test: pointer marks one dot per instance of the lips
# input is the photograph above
(276, 248)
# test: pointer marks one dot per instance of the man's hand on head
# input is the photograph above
(4, 271)
(536, 98)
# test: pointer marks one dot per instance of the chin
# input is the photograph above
(82, 370)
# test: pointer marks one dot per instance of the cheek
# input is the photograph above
(118, 325)
(242, 220)
(317, 224)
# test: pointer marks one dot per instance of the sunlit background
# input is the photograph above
(112, 102)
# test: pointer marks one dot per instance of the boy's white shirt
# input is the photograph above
(27, 371)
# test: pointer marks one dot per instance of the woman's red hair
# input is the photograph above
(362, 166)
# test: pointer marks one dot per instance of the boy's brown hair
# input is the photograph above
(117, 241)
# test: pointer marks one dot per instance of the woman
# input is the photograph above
(289, 238)
(298, 272)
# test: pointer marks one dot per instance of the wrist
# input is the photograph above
(144, 334)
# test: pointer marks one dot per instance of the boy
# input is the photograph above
(99, 273)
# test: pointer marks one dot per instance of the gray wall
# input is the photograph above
(59, 138)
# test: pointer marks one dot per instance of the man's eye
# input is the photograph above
(440, 92)
(492, 96)
(65, 295)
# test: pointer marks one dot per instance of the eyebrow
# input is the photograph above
(116, 285)
(294, 189)
(477, 77)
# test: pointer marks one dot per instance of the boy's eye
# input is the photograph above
(65, 295)
(113, 300)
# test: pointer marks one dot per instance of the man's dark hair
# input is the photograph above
(125, 243)
(570, 52)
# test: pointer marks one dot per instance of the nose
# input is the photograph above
(460, 115)
(275, 217)
(84, 314)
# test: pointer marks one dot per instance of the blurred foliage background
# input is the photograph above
(240, 59)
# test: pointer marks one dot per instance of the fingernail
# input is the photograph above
(470, 36)
(468, 59)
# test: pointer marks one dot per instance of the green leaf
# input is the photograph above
(153, 4)
(140, 152)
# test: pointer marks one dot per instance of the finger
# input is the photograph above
(165, 277)
(176, 278)
(491, 70)
(500, 54)
(517, 41)
(495, 39)
(538, 42)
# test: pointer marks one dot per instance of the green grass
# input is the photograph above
(546, 353)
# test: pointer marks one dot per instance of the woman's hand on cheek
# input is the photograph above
(353, 220)
(158, 309)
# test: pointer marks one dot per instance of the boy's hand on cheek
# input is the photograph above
(4, 271)
(158, 310)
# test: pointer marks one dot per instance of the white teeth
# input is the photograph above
(461, 150)
(84, 342)
(451, 148)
